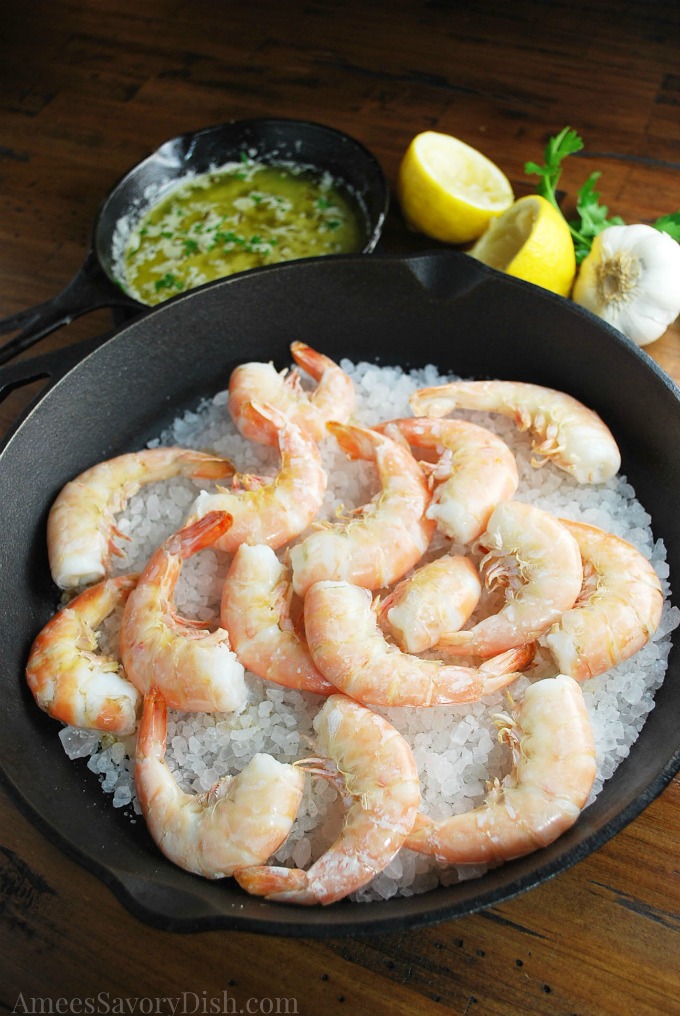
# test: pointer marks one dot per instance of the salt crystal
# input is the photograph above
(78, 743)
(122, 796)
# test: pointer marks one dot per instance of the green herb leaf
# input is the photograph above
(565, 143)
(169, 281)
(593, 218)
(190, 247)
(669, 224)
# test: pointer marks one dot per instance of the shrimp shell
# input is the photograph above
(564, 431)
(618, 609)
(272, 512)
(350, 651)
(387, 536)
(70, 679)
(255, 611)
(435, 599)
(381, 779)
(243, 819)
(553, 772)
(535, 557)
(333, 398)
(80, 524)
(195, 669)
(475, 470)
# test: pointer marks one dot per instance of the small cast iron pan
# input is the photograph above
(300, 141)
(442, 308)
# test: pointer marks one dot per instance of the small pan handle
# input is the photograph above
(50, 366)
(89, 289)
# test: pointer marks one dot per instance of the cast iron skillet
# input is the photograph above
(301, 141)
(439, 307)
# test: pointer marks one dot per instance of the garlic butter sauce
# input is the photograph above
(244, 215)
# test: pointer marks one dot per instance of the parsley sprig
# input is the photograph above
(593, 216)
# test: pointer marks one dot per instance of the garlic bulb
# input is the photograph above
(631, 278)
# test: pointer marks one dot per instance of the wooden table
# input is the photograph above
(86, 90)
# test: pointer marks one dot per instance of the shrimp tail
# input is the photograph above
(311, 361)
(200, 534)
(267, 412)
(207, 467)
(502, 670)
(355, 443)
(419, 839)
(272, 882)
(517, 658)
(153, 725)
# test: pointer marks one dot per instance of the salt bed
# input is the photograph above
(456, 747)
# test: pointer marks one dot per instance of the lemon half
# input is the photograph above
(531, 241)
(448, 190)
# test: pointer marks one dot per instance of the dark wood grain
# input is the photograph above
(86, 90)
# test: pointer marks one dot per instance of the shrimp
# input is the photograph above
(256, 612)
(438, 597)
(333, 398)
(195, 669)
(80, 525)
(553, 771)
(277, 511)
(475, 470)
(350, 651)
(564, 431)
(242, 820)
(535, 557)
(70, 679)
(381, 780)
(617, 611)
(387, 536)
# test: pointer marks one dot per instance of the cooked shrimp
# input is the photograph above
(350, 651)
(386, 537)
(255, 611)
(535, 557)
(70, 679)
(381, 780)
(333, 398)
(553, 771)
(475, 470)
(438, 597)
(241, 820)
(617, 611)
(277, 511)
(194, 668)
(564, 431)
(80, 525)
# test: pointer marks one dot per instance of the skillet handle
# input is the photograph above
(50, 366)
(88, 289)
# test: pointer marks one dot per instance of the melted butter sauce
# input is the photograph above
(239, 217)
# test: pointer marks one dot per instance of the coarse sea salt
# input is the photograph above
(456, 747)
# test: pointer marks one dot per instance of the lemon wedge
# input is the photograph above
(448, 190)
(531, 241)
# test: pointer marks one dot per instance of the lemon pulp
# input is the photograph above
(530, 241)
(449, 190)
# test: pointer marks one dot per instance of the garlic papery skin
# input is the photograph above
(631, 278)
